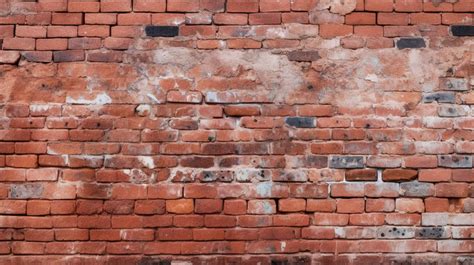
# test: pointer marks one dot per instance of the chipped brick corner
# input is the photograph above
(236, 132)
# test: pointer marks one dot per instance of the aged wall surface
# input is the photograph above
(236, 132)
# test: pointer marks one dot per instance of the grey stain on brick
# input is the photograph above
(430, 232)
(455, 161)
(453, 84)
(416, 189)
(452, 111)
(300, 122)
(410, 43)
(214, 176)
(26, 191)
(462, 30)
(441, 97)
(346, 162)
(162, 31)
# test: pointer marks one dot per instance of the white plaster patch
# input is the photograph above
(100, 99)
(39, 107)
(372, 78)
(147, 161)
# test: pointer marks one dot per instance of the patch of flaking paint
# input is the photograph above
(264, 189)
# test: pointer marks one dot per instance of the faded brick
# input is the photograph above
(346, 162)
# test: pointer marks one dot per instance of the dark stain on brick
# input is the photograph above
(315, 161)
(430, 232)
(68, 56)
(213, 176)
(162, 31)
(300, 122)
(441, 97)
(411, 43)
(462, 30)
(153, 261)
(38, 56)
(303, 56)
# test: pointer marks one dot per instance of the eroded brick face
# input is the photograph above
(236, 132)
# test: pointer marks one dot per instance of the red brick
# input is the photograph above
(208, 206)
(67, 19)
(457, 18)
(30, 31)
(19, 44)
(408, 5)
(437, 7)
(62, 31)
(350, 205)
(244, 44)
(230, 19)
(149, 5)
(7, 31)
(435, 175)
(235, 207)
(321, 205)
(22, 161)
(100, 18)
(452, 190)
(392, 19)
(265, 19)
(115, 5)
(93, 31)
(242, 6)
(436, 205)
(169, 19)
(405, 205)
(303, 5)
(368, 31)
(334, 30)
(292, 205)
(182, 6)
(182, 206)
(134, 19)
(425, 18)
(360, 18)
(83, 6)
(274, 5)
(51, 44)
(399, 174)
(379, 5)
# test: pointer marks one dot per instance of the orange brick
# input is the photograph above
(115, 5)
(51, 44)
(242, 6)
(335, 30)
(149, 5)
(182, 206)
(379, 5)
(182, 6)
(274, 5)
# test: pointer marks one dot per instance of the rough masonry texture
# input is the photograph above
(236, 132)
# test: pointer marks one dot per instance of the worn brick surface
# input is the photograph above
(236, 132)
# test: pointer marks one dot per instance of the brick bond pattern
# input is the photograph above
(238, 131)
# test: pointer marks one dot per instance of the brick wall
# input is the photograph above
(236, 132)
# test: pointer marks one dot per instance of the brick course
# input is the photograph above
(238, 131)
